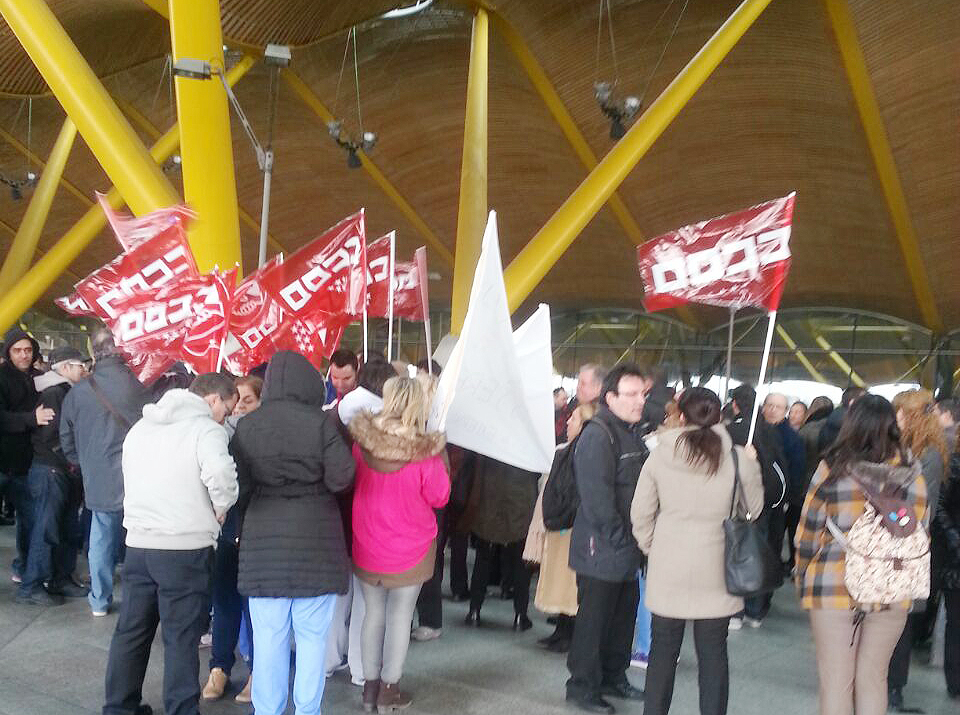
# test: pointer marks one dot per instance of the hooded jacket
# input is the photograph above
(93, 438)
(178, 475)
(945, 531)
(53, 388)
(401, 479)
(18, 404)
(291, 462)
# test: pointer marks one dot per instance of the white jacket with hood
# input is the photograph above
(177, 475)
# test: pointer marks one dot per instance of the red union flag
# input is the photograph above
(328, 275)
(406, 284)
(740, 259)
(254, 318)
(186, 320)
(315, 337)
(131, 231)
(153, 264)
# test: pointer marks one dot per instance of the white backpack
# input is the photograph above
(887, 552)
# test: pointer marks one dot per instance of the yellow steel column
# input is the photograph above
(544, 249)
(45, 271)
(24, 245)
(472, 212)
(20, 147)
(876, 134)
(209, 184)
(841, 363)
(798, 353)
(102, 126)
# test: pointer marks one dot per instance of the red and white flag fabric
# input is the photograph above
(131, 231)
(186, 320)
(254, 319)
(737, 260)
(328, 275)
(406, 284)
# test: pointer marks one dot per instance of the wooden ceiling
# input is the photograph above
(777, 115)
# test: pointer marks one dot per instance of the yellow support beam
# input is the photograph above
(545, 248)
(798, 353)
(57, 260)
(150, 128)
(841, 363)
(309, 98)
(24, 244)
(209, 182)
(856, 67)
(20, 147)
(472, 210)
(111, 139)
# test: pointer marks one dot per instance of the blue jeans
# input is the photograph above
(17, 491)
(641, 631)
(273, 621)
(50, 493)
(104, 552)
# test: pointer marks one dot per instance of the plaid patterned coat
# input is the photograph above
(820, 559)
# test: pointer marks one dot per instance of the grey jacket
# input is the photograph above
(602, 545)
(93, 438)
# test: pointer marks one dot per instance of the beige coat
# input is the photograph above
(677, 516)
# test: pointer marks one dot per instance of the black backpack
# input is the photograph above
(560, 496)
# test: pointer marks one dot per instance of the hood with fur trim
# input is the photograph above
(388, 452)
(877, 476)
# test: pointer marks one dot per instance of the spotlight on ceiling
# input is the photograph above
(620, 113)
(190, 68)
(368, 141)
(276, 55)
(353, 161)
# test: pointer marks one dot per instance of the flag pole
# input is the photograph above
(763, 374)
(392, 278)
(729, 371)
(364, 331)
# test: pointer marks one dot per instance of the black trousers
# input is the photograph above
(793, 521)
(710, 638)
(602, 635)
(951, 650)
(773, 522)
(430, 600)
(171, 589)
(899, 670)
(515, 573)
(458, 562)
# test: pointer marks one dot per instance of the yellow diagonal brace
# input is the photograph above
(472, 208)
(68, 185)
(309, 98)
(544, 249)
(876, 134)
(111, 139)
(138, 118)
(798, 353)
(841, 363)
(45, 271)
(24, 245)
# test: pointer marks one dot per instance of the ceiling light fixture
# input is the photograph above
(619, 112)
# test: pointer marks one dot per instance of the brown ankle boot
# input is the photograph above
(371, 692)
(391, 698)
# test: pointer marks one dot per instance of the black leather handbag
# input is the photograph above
(750, 566)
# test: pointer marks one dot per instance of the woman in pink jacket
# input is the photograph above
(401, 478)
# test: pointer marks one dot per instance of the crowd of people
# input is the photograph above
(284, 507)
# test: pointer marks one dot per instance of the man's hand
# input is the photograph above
(750, 451)
(45, 416)
(221, 517)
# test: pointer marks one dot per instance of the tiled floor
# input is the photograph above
(52, 662)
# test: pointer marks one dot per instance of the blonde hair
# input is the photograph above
(405, 407)
(921, 428)
(586, 411)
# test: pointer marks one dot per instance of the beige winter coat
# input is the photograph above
(677, 516)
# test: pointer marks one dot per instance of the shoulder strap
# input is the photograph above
(736, 479)
(102, 399)
(837, 534)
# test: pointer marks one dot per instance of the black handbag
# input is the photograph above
(750, 565)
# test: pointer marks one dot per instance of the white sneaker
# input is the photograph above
(753, 622)
(735, 624)
(425, 633)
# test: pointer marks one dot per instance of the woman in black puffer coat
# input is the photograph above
(946, 570)
(291, 463)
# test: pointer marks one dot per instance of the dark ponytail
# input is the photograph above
(701, 409)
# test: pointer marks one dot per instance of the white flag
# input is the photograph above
(495, 395)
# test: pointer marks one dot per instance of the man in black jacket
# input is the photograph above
(97, 413)
(603, 552)
(19, 415)
(55, 493)
(773, 468)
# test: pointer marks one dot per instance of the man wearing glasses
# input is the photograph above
(55, 493)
